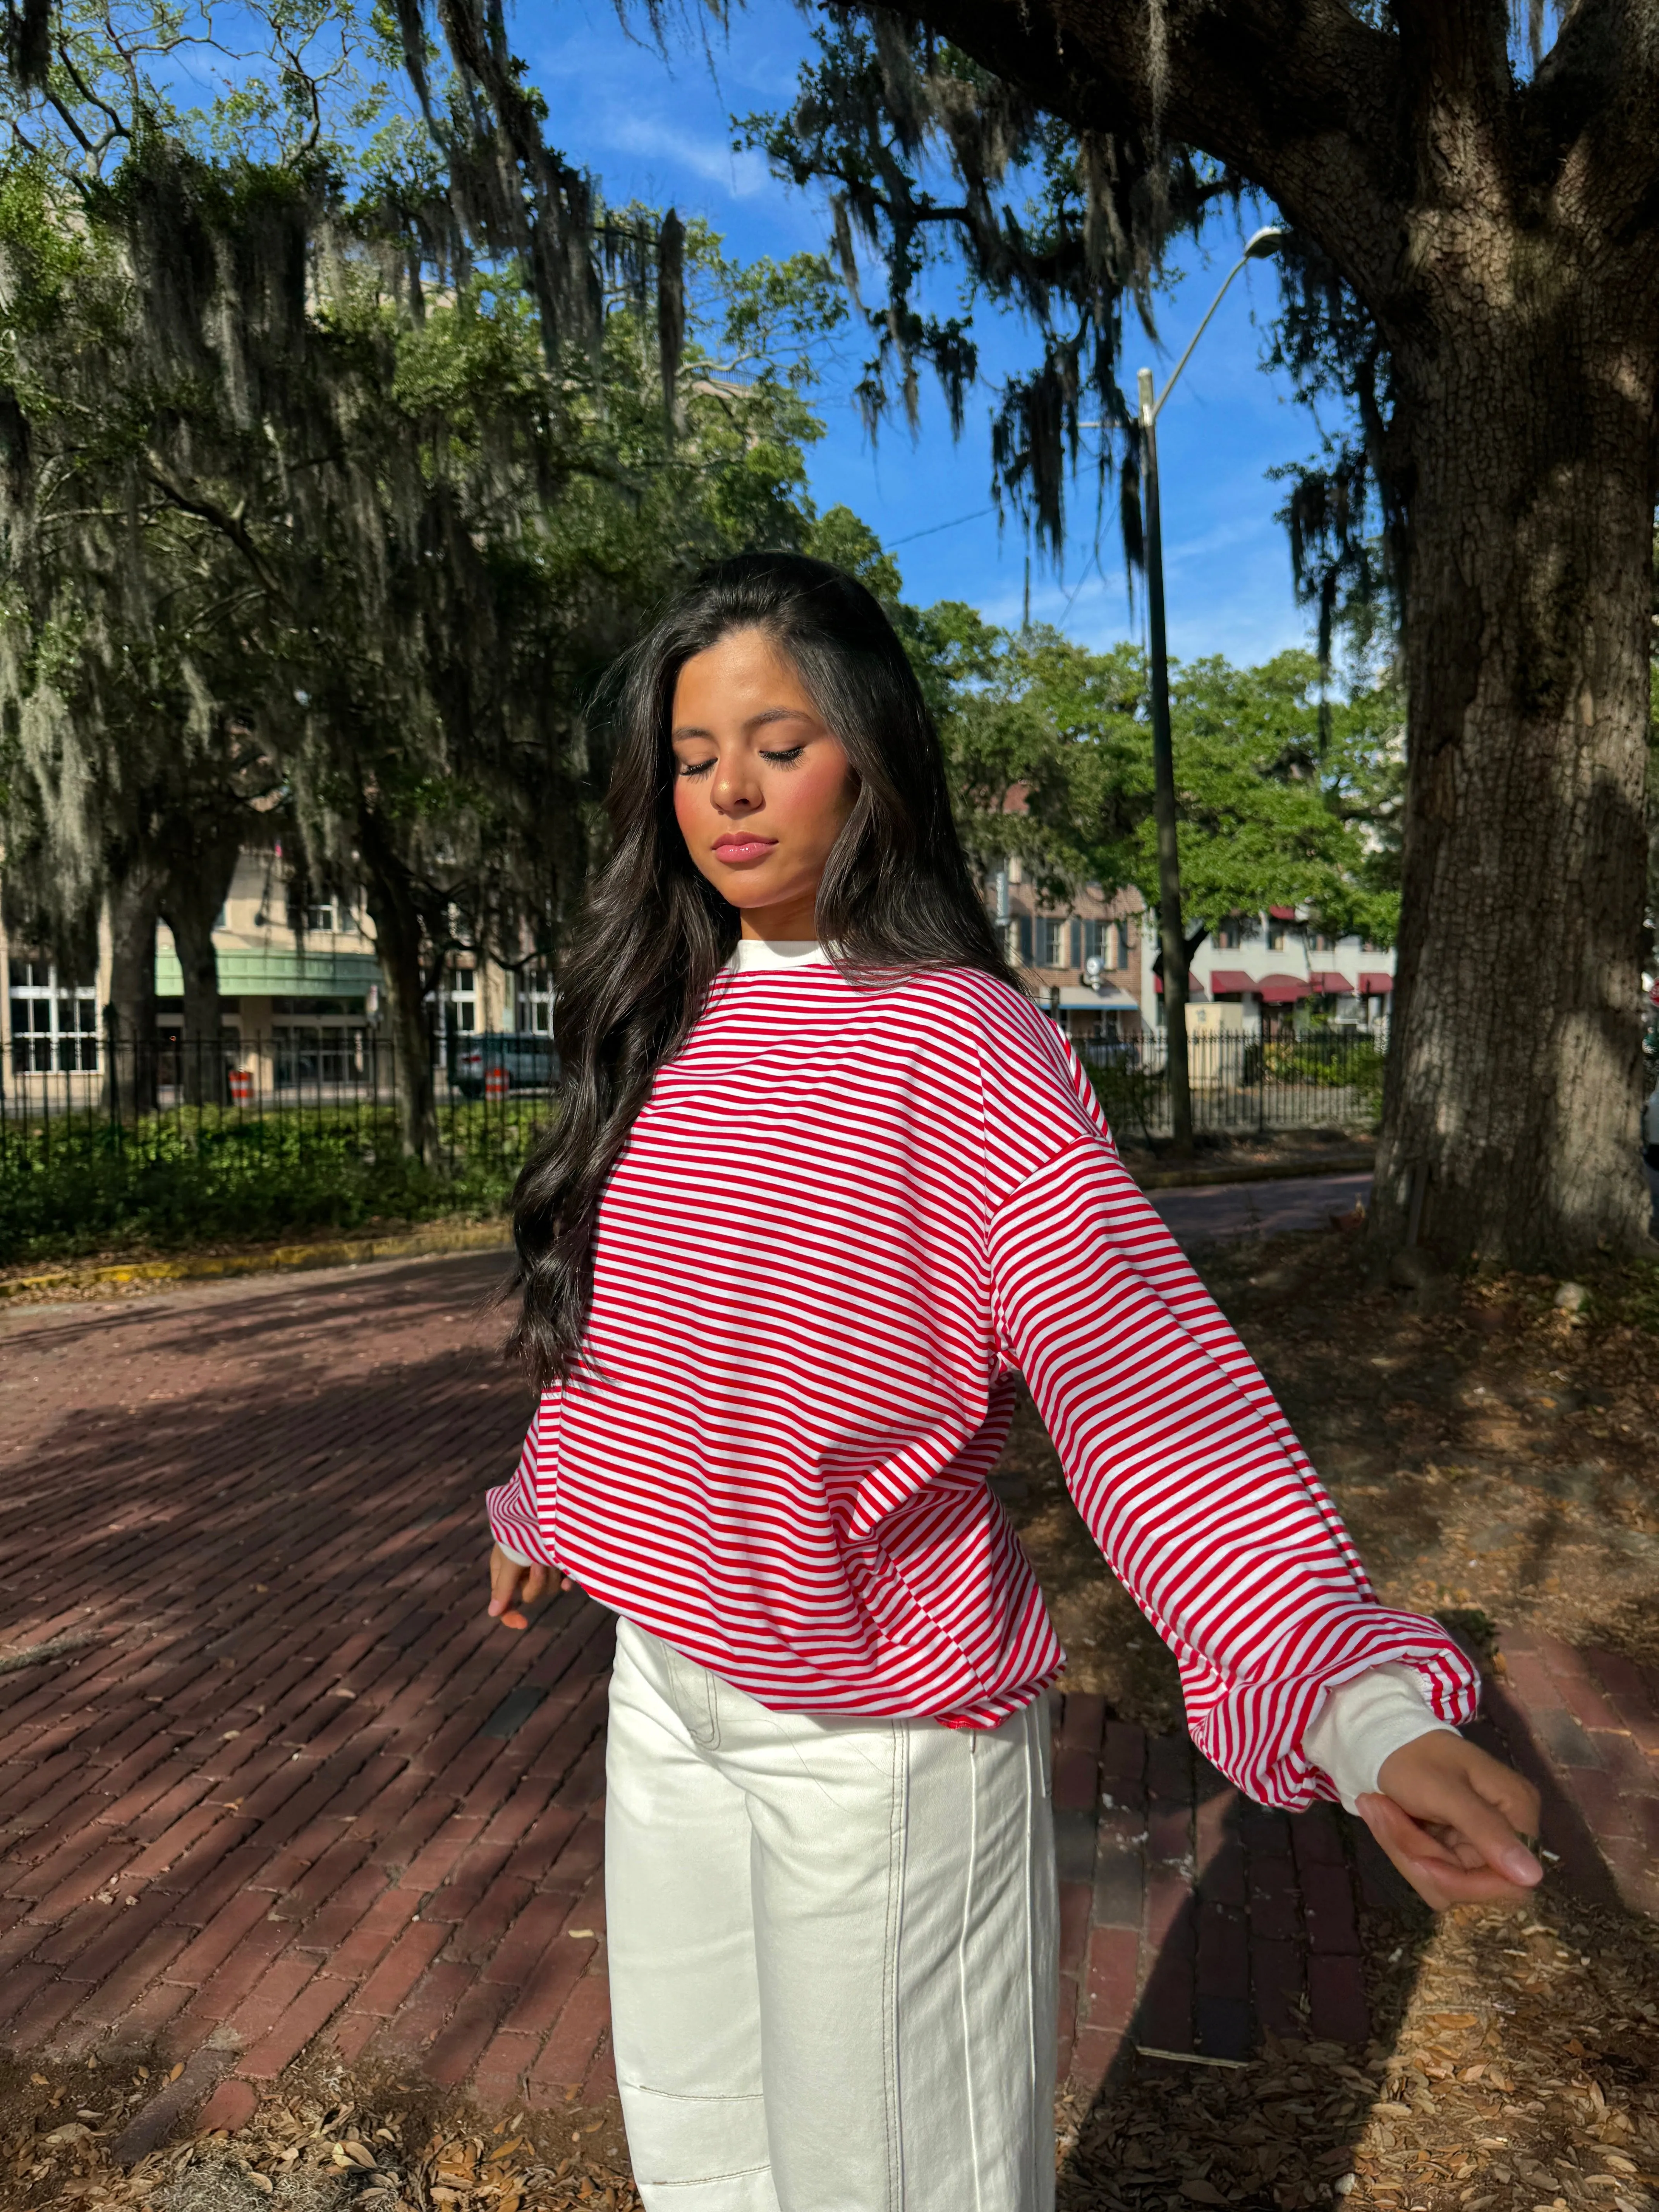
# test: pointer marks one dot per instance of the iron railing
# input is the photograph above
(168, 1139)
(1243, 1085)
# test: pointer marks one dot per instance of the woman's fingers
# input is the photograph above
(1441, 1875)
(513, 1584)
(1445, 1781)
(1452, 1820)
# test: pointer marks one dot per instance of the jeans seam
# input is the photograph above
(700, 2096)
(898, 1839)
(701, 2180)
(1035, 1797)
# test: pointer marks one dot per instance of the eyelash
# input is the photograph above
(781, 760)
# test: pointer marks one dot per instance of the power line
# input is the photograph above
(911, 536)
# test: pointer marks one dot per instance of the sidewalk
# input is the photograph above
(268, 1774)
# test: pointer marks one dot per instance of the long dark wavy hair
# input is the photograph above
(896, 896)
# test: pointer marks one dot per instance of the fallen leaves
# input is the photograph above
(349, 2148)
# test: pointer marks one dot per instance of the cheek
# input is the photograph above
(685, 802)
(824, 798)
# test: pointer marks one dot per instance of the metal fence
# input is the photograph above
(160, 1141)
(166, 1140)
(1243, 1085)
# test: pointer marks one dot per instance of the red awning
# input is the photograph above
(1333, 986)
(1374, 983)
(1281, 913)
(1195, 990)
(1282, 990)
(1228, 980)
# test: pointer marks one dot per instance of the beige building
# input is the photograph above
(301, 998)
(302, 995)
(1080, 959)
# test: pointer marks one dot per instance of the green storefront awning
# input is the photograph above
(277, 974)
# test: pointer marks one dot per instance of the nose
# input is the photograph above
(737, 790)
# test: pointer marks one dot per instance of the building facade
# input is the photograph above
(1080, 959)
(1266, 975)
(302, 994)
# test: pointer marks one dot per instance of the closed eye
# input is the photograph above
(694, 767)
(784, 759)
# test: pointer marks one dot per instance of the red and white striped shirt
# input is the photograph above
(848, 1218)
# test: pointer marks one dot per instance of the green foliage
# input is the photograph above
(1282, 801)
(175, 1180)
(840, 536)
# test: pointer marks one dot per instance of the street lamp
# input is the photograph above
(1171, 929)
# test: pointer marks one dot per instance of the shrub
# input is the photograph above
(81, 1185)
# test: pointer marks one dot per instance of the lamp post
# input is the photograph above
(1171, 928)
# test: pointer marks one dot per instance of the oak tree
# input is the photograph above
(1474, 273)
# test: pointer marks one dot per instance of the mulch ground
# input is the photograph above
(381, 1779)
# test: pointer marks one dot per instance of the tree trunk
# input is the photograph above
(1510, 1123)
(190, 899)
(398, 941)
(130, 1055)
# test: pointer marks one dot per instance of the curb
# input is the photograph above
(1279, 1171)
(341, 1252)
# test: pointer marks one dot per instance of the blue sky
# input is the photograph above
(657, 128)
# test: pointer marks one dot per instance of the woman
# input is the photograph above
(825, 1184)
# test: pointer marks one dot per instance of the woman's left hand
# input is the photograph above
(1452, 1819)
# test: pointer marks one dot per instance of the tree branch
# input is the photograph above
(1301, 97)
(219, 519)
(1595, 92)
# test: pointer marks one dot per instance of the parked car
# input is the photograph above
(1109, 1052)
(527, 1063)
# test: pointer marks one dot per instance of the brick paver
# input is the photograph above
(293, 1785)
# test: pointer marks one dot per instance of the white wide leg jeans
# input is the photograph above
(833, 1952)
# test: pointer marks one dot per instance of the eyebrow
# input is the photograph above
(754, 722)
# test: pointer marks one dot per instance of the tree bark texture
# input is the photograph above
(129, 1070)
(1504, 236)
(399, 939)
(1511, 1119)
(196, 886)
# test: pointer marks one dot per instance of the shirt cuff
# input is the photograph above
(1363, 1722)
(513, 1523)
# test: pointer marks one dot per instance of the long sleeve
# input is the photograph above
(514, 1516)
(1189, 1477)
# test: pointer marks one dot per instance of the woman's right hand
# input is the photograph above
(513, 1584)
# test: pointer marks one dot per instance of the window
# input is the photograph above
(1120, 958)
(54, 1026)
(458, 996)
(308, 1057)
(1074, 932)
(1275, 937)
(319, 918)
(1019, 939)
(1050, 942)
(534, 998)
(1323, 943)
(1228, 935)
(1093, 941)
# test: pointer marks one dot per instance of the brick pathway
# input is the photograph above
(280, 1779)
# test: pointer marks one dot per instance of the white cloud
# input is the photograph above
(743, 176)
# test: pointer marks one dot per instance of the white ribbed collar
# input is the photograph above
(777, 952)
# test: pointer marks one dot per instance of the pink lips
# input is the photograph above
(738, 848)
